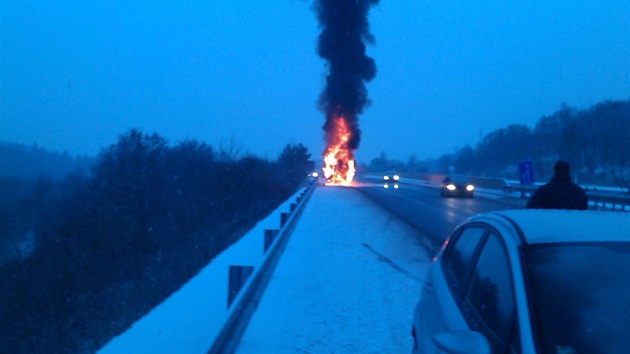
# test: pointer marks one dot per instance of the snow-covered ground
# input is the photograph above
(189, 320)
(347, 282)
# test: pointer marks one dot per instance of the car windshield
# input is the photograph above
(457, 179)
(580, 295)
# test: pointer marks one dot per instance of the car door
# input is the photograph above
(477, 271)
(439, 305)
(489, 300)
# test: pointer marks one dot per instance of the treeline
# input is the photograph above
(90, 255)
(22, 161)
(595, 141)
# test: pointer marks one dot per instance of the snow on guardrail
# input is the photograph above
(599, 197)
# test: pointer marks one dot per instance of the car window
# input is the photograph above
(457, 179)
(459, 259)
(580, 293)
(491, 293)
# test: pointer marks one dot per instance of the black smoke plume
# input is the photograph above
(342, 42)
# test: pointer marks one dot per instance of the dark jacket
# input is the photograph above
(559, 193)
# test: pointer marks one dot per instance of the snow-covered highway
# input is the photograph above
(346, 283)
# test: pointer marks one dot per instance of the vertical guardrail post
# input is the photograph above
(237, 277)
(270, 235)
(283, 219)
(230, 335)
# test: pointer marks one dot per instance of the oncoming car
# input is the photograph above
(529, 281)
(391, 180)
(457, 186)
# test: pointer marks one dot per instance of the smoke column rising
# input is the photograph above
(342, 43)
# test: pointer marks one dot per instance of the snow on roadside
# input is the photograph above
(189, 320)
(347, 283)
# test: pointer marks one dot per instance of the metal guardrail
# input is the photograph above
(229, 337)
(601, 200)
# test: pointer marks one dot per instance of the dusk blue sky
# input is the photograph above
(76, 74)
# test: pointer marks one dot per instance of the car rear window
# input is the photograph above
(580, 293)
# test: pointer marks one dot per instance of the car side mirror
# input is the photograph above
(462, 342)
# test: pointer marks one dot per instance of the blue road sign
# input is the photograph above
(526, 172)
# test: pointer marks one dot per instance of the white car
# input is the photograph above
(529, 281)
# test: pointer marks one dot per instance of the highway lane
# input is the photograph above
(432, 215)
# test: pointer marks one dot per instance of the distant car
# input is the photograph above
(457, 186)
(529, 281)
(391, 180)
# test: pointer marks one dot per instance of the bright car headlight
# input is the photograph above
(386, 186)
(470, 187)
(386, 178)
(451, 187)
(396, 177)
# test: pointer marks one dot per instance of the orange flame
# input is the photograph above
(338, 158)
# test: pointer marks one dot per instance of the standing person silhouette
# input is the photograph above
(560, 192)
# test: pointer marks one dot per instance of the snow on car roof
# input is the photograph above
(544, 225)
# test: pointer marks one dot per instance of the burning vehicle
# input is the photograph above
(342, 43)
